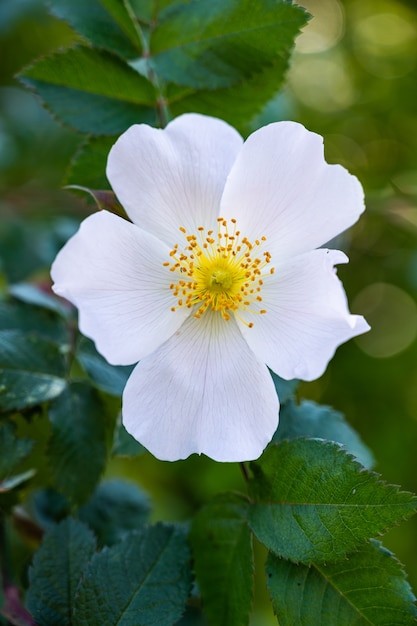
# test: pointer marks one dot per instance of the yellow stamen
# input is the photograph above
(223, 274)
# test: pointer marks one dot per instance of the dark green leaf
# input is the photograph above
(31, 370)
(77, 448)
(368, 588)
(314, 502)
(92, 90)
(10, 483)
(49, 507)
(12, 449)
(88, 166)
(115, 508)
(93, 22)
(144, 579)
(31, 294)
(15, 315)
(222, 548)
(124, 444)
(218, 43)
(312, 420)
(237, 104)
(57, 568)
(109, 378)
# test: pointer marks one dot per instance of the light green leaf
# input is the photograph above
(115, 508)
(77, 448)
(312, 420)
(57, 568)
(218, 43)
(368, 588)
(91, 19)
(32, 370)
(314, 502)
(144, 579)
(94, 71)
(222, 549)
(92, 90)
(109, 378)
(12, 449)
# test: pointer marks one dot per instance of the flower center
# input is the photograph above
(223, 272)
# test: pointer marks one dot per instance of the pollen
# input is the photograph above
(221, 271)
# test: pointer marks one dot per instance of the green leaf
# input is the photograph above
(49, 507)
(285, 388)
(12, 449)
(368, 588)
(312, 420)
(16, 315)
(237, 104)
(91, 19)
(57, 568)
(144, 579)
(222, 548)
(88, 165)
(115, 508)
(32, 370)
(218, 43)
(92, 90)
(10, 483)
(77, 448)
(109, 378)
(124, 444)
(32, 294)
(314, 502)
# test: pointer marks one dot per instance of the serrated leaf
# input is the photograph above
(99, 26)
(218, 43)
(309, 419)
(92, 90)
(88, 165)
(77, 448)
(94, 71)
(109, 378)
(57, 568)
(237, 104)
(124, 444)
(32, 370)
(144, 579)
(12, 449)
(223, 558)
(314, 502)
(368, 588)
(115, 508)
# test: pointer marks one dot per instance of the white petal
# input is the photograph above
(203, 391)
(173, 177)
(281, 187)
(307, 316)
(112, 271)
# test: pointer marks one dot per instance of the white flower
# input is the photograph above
(217, 276)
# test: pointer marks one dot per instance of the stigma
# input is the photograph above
(220, 271)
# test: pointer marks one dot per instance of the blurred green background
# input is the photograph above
(353, 79)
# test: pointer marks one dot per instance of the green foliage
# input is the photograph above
(12, 449)
(368, 588)
(77, 449)
(312, 502)
(124, 444)
(115, 508)
(145, 579)
(57, 568)
(88, 167)
(222, 549)
(309, 419)
(108, 378)
(15, 315)
(32, 370)
(96, 24)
